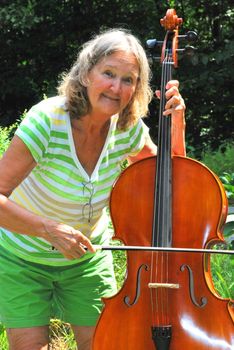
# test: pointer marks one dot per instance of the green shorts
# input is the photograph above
(31, 294)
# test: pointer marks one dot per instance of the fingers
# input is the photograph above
(175, 103)
(158, 93)
(70, 242)
(87, 244)
(172, 83)
(82, 243)
(172, 87)
(76, 245)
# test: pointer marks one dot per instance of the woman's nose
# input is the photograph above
(116, 85)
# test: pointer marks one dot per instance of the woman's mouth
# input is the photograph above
(112, 98)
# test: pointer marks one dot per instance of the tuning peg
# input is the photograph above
(153, 43)
(188, 50)
(190, 36)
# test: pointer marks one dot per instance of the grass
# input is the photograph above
(3, 338)
(61, 336)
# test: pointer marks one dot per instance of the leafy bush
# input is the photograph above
(228, 183)
(5, 136)
(220, 161)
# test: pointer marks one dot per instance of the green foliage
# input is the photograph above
(220, 161)
(222, 267)
(223, 282)
(3, 338)
(61, 336)
(5, 136)
(228, 183)
(119, 264)
(229, 235)
(207, 75)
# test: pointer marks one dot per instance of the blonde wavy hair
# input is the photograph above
(73, 84)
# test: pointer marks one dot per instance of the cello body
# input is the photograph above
(198, 317)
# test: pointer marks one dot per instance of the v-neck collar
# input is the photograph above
(94, 175)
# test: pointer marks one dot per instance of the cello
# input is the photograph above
(168, 300)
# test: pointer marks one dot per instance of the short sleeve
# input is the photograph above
(138, 134)
(34, 131)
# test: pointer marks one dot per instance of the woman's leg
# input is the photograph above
(34, 338)
(83, 336)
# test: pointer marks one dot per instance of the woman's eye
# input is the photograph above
(128, 80)
(109, 74)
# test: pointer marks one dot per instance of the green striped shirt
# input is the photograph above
(59, 187)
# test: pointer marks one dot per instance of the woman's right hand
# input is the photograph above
(70, 242)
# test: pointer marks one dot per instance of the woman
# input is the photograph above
(56, 178)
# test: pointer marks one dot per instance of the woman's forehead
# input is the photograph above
(121, 59)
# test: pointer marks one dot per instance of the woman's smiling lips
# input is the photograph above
(115, 99)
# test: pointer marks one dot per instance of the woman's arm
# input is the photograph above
(15, 166)
(149, 150)
(175, 107)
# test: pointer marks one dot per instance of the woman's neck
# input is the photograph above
(89, 125)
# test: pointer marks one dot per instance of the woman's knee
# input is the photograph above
(83, 336)
(33, 338)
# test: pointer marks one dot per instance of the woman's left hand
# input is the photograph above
(175, 103)
(175, 107)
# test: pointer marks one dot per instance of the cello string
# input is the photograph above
(160, 202)
(164, 184)
(160, 190)
(168, 139)
(164, 205)
(154, 262)
(162, 294)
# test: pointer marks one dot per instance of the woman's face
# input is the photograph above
(112, 83)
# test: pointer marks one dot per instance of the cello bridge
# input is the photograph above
(164, 285)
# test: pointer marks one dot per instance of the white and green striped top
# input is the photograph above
(58, 187)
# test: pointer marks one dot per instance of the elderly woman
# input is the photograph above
(55, 183)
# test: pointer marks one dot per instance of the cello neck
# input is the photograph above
(162, 220)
